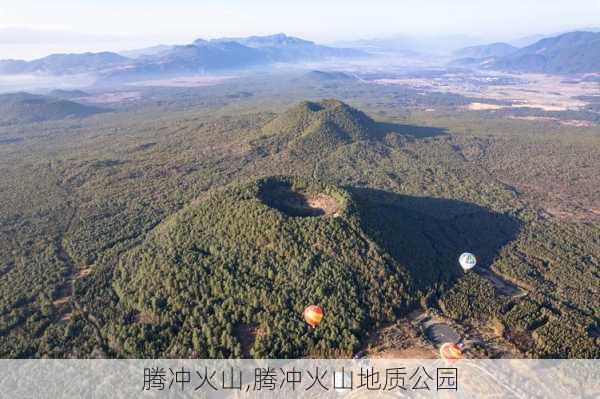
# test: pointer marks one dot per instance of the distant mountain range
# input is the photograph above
(329, 76)
(531, 39)
(573, 52)
(485, 51)
(146, 51)
(198, 57)
(412, 46)
(64, 64)
(67, 94)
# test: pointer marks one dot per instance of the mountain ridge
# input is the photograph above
(499, 49)
(572, 52)
(24, 107)
(63, 64)
(198, 57)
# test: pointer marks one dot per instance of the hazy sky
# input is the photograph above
(321, 20)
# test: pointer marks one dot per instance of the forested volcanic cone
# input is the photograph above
(231, 275)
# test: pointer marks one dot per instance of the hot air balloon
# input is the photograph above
(313, 315)
(467, 261)
(451, 351)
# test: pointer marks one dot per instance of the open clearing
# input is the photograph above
(546, 92)
(112, 97)
(301, 204)
(322, 202)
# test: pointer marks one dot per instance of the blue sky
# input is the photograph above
(324, 20)
(179, 21)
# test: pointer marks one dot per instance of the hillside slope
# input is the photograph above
(26, 108)
(316, 127)
(574, 52)
(200, 56)
(485, 51)
(255, 268)
(231, 274)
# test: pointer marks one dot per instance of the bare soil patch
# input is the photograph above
(113, 97)
(323, 202)
(503, 286)
(83, 273)
(400, 340)
(484, 107)
(145, 318)
(547, 92)
(61, 301)
(301, 204)
(578, 123)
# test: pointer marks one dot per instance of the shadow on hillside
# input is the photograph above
(427, 235)
(411, 130)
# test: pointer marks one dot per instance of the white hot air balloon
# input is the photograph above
(467, 261)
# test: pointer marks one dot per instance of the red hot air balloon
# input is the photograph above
(451, 351)
(313, 315)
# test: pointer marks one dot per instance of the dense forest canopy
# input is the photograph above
(158, 230)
